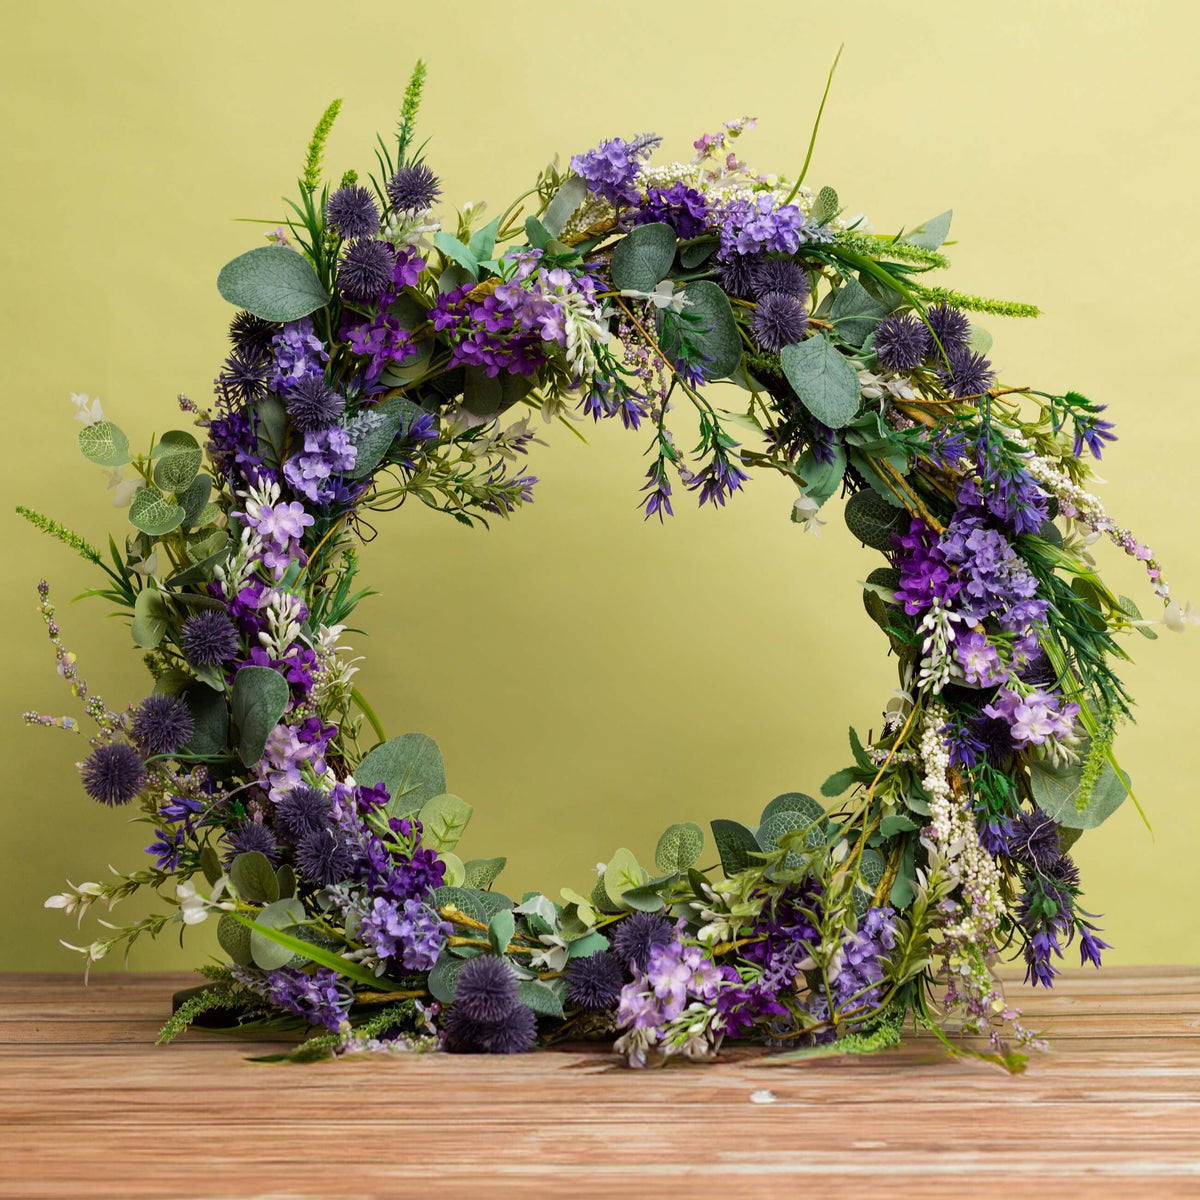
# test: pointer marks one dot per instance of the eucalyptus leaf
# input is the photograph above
(622, 873)
(254, 878)
(150, 618)
(736, 846)
(179, 457)
(478, 905)
(797, 802)
(822, 479)
(273, 283)
(483, 872)
(260, 695)
(234, 939)
(104, 444)
(563, 205)
(456, 872)
(444, 819)
(1056, 792)
(394, 414)
(411, 769)
(856, 313)
(929, 235)
(501, 928)
(708, 323)
(443, 979)
(153, 513)
(679, 847)
(454, 250)
(589, 944)
(642, 258)
(540, 997)
(823, 380)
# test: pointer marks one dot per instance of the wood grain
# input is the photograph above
(89, 1107)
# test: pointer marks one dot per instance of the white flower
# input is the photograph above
(191, 906)
(1177, 617)
(122, 488)
(663, 296)
(87, 410)
(804, 513)
(554, 957)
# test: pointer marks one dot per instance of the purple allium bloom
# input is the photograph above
(594, 983)
(351, 211)
(779, 320)
(979, 660)
(514, 1034)
(243, 378)
(408, 933)
(162, 724)
(310, 472)
(298, 353)
(208, 639)
(413, 188)
(681, 207)
(366, 271)
(251, 334)
(967, 374)
(610, 169)
(254, 836)
(324, 857)
(781, 275)
(900, 342)
(313, 404)
(952, 329)
(302, 811)
(316, 998)
(487, 989)
(113, 774)
(739, 274)
(995, 735)
(637, 934)
(719, 479)
(924, 573)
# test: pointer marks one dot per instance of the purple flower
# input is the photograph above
(994, 579)
(638, 934)
(738, 275)
(366, 271)
(514, 1033)
(856, 986)
(302, 811)
(309, 472)
(753, 226)
(113, 774)
(594, 983)
(352, 213)
(243, 380)
(900, 342)
(298, 354)
(408, 933)
(674, 975)
(610, 169)
(313, 404)
(779, 320)
(413, 188)
(317, 997)
(1094, 432)
(979, 660)
(681, 207)
(254, 836)
(719, 479)
(1090, 945)
(251, 333)
(1034, 718)
(487, 989)
(780, 275)
(951, 326)
(966, 373)
(924, 573)
(208, 639)
(162, 725)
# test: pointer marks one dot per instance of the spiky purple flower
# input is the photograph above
(365, 271)
(900, 342)
(113, 774)
(515, 1033)
(413, 188)
(251, 334)
(779, 320)
(324, 857)
(243, 379)
(951, 327)
(254, 836)
(351, 211)
(162, 724)
(313, 405)
(738, 274)
(302, 811)
(781, 275)
(637, 934)
(486, 990)
(968, 373)
(594, 983)
(209, 638)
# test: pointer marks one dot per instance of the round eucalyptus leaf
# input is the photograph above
(272, 282)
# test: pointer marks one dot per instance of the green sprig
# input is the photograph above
(60, 533)
(311, 178)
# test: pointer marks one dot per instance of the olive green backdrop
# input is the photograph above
(592, 678)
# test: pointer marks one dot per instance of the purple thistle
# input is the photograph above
(738, 275)
(251, 334)
(413, 188)
(952, 329)
(113, 774)
(637, 934)
(313, 405)
(254, 836)
(324, 857)
(351, 211)
(302, 811)
(515, 1033)
(486, 991)
(779, 320)
(208, 639)
(594, 983)
(243, 379)
(968, 373)
(162, 725)
(366, 271)
(900, 342)
(781, 275)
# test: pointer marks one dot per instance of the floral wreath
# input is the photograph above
(380, 354)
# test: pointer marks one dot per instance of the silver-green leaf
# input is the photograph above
(273, 283)
(823, 380)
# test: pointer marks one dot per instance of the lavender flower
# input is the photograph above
(352, 213)
(317, 997)
(113, 774)
(311, 472)
(924, 571)
(208, 639)
(298, 354)
(681, 207)
(1034, 718)
(979, 660)
(753, 226)
(162, 725)
(409, 933)
(610, 169)
(856, 986)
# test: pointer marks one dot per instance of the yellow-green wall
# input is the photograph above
(592, 678)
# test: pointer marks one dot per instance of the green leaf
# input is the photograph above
(104, 444)
(179, 458)
(709, 324)
(538, 235)
(268, 953)
(823, 380)
(679, 847)
(456, 873)
(286, 877)
(483, 872)
(272, 282)
(260, 694)
(797, 802)
(840, 781)
(254, 877)
(884, 489)
(444, 818)
(454, 250)
(479, 906)
(1131, 610)
(929, 235)
(398, 412)
(979, 340)
(736, 845)
(642, 258)
(153, 513)
(622, 873)
(483, 241)
(562, 207)
(822, 479)
(897, 823)
(234, 939)
(210, 719)
(272, 429)
(194, 500)
(700, 250)
(1056, 792)
(210, 864)
(501, 928)
(541, 998)
(150, 618)
(443, 979)
(825, 205)
(410, 767)
(648, 896)
(785, 821)
(873, 521)
(199, 572)
(591, 943)
(856, 313)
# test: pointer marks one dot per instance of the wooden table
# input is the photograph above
(89, 1107)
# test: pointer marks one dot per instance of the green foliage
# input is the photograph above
(210, 719)
(260, 695)
(223, 995)
(443, 979)
(411, 769)
(855, 313)
(272, 282)
(268, 953)
(501, 928)
(104, 444)
(444, 819)
(823, 380)
(540, 997)
(621, 874)
(679, 847)
(736, 845)
(479, 905)
(481, 873)
(153, 513)
(310, 179)
(1002, 308)
(873, 521)
(707, 325)
(60, 533)
(562, 207)
(150, 618)
(254, 878)
(234, 939)
(825, 205)
(929, 235)
(642, 258)
(1057, 791)
(409, 108)
(178, 457)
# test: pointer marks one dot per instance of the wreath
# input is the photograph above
(384, 351)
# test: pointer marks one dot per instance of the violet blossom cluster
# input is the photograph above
(407, 934)
(319, 997)
(752, 227)
(675, 975)
(610, 170)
